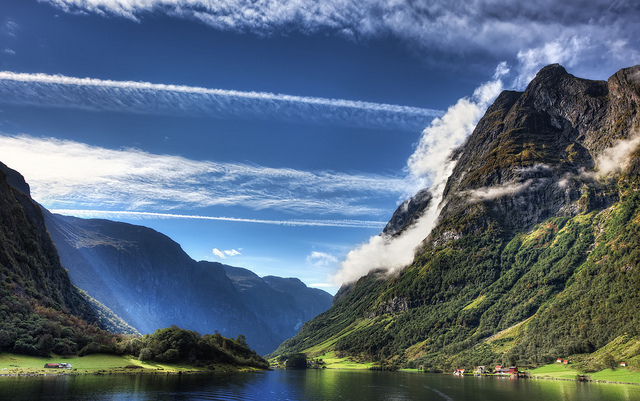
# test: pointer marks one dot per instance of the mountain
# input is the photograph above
(40, 309)
(535, 252)
(148, 280)
(285, 303)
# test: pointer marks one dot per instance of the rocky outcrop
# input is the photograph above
(408, 212)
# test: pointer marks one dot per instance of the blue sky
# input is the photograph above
(277, 136)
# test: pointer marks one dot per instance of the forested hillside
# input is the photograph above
(535, 253)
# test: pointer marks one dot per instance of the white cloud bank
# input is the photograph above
(70, 175)
(148, 98)
(430, 165)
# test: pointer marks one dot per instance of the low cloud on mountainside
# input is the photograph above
(616, 158)
(429, 166)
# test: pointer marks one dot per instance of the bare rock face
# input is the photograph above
(408, 212)
(532, 155)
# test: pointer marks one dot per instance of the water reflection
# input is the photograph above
(311, 385)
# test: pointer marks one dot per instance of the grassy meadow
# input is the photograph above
(16, 364)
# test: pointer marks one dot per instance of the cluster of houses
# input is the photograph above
(510, 371)
(58, 365)
(497, 370)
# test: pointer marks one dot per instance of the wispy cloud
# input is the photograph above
(65, 174)
(498, 191)
(321, 259)
(321, 285)
(119, 214)
(471, 28)
(9, 28)
(149, 98)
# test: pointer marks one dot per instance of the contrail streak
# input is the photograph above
(150, 98)
(151, 215)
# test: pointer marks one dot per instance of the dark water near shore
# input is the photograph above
(308, 385)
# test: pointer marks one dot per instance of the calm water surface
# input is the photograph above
(308, 385)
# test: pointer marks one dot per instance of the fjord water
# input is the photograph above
(310, 385)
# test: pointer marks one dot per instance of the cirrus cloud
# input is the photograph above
(65, 174)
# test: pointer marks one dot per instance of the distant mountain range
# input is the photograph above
(535, 254)
(148, 281)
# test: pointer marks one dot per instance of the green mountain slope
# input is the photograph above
(535, 253)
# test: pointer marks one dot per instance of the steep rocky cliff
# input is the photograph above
(536, 240)
(148, 280)
(531, 153)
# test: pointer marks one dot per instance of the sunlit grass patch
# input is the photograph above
(331, 361)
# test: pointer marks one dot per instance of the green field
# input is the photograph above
(559, 371)
(555, 371)
(331, 361)
(621, 375)
(15, 364)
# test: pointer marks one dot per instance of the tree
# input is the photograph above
(297, 361)
(241, 340)
(145, 354)
(609, 361)
(171, 355)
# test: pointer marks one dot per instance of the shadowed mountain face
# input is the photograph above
(538, 239)
(41, 311)
(148, 280)
(29, 264)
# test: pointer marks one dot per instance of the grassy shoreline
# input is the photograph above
(103, 364)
